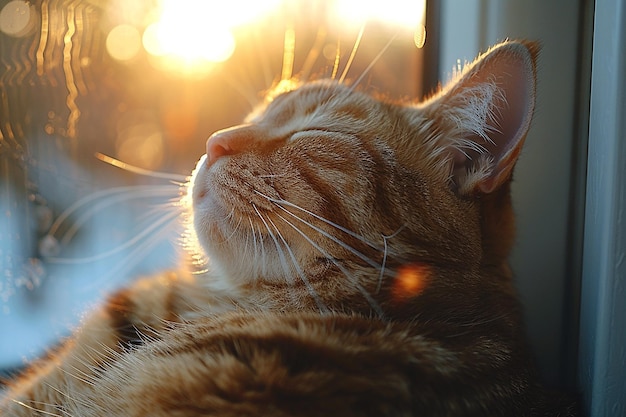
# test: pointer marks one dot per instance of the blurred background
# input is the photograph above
(147, 81)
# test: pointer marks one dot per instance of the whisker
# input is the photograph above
(375, 60)
(21, 403)
(337, 59)
(138, 253)
(166, 219)
(344, 245)
(246, 245)
(66, 395)
(230, 215)
(84, 377)
(228, 218)
(173, 204)
(313, 54)
(333, 238)
(244, 92)
(135, 194)
(235, 230)
(347, 273)
(281, 254)
(140, 171)
(320, 304)
(263, 253)
(355, 48)
(272, 176)
(289, 52)
(382, 270)
(281, 202)
(262, 56)
(254, 244)
(131, 190)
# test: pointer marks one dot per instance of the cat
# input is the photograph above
(357, 265)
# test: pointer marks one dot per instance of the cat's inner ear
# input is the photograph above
(485, 115)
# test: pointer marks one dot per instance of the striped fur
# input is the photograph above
(356, 265)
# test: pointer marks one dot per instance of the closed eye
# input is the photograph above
(309, 131)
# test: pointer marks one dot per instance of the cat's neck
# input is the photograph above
(497, 222)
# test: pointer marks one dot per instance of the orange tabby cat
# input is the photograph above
(357, 266)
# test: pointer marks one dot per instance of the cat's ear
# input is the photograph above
(483, 117)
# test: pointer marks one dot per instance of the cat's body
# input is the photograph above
(357, 266)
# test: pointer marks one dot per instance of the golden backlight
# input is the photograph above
(182, 34)
(408, 13)
(190, 30)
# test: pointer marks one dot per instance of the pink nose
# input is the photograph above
(230, 142)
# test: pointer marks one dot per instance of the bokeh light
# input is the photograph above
(184, 36)
(407, 13)
(411, 280)
(123, 42)
(132, 12)
(17, 18)
(197, 30)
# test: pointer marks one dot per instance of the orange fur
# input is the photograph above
(357, 265)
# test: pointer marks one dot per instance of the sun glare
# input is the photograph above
(183, 34)
(191, 43)
(198, 30)
(407, 13)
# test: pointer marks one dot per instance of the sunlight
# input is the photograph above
(188, 36)
(123, 42)
(194, 42)
(408, 13)
(197, 30)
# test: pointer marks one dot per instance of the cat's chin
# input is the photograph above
(224, 246)
(206, 210)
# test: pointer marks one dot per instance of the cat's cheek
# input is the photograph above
(199, 186)
(206, 215)
(203, 230)
(211, 217)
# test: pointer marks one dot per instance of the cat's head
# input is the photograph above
(330, 188)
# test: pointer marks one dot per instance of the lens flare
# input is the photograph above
(412, 280)
(408, 13)
(123, 42)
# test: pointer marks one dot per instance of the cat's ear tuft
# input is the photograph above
(483, 116)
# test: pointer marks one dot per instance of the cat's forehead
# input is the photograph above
(318, 101)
